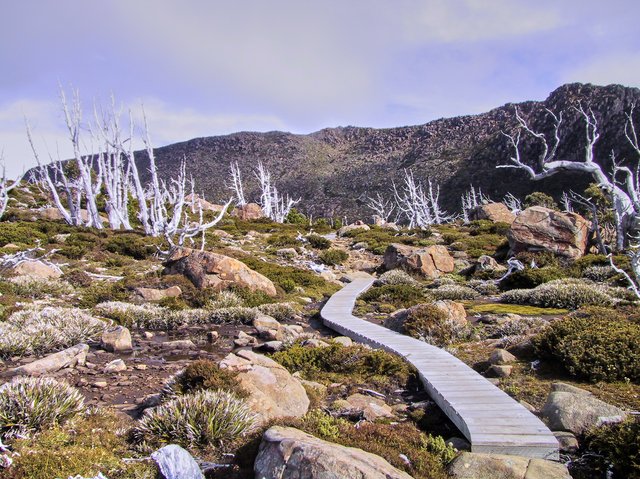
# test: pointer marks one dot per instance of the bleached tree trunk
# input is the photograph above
(381, 207)
(236, 184)
(5, 188)
(625, 201)
(273, 205)
(470, 200)
(419, 208)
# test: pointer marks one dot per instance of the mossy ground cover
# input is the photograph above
(502, 308)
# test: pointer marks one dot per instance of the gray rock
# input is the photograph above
(287, 453)
(176, 463)
(345, 341)
(470, 465)
(179, 344)
(501, 356)
(501, 371)
(568, 442)
(116, 340)
(68, 358)
(574, 410)
(115, 366)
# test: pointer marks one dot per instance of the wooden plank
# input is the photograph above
(490, 419)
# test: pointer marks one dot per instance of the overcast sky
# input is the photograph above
(209, 67)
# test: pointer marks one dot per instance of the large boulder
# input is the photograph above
(288, 453)
(116, 340)
(431, 261)
(250, 211)
(575, 410)
(358, 225)
(273, 392)
(152, 294)
(543, 229)
(496, 212)
(469, 465)
(37, 270)
(455, 311)
(213, 270)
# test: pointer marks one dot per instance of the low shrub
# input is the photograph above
(39, 331)
(283, 240)
(20, 233)
(318, 242)
(399, 295)
(233, 315)
(102, 291)
(131, 244)
(38, 288)
(279, 311)
(538, 198)
(454, 292)
(615, 449)
(205, 419)
(432, 324)
(397, 276)
(565, 293)
(333, 257)
(336, 360)
(596, 343)
(485, 288)
(203, 374)
(28, 405)
(147, 316)
(599, 274)
(532, 277)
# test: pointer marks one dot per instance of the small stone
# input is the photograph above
(501, 356)
(148, 334)
(459, 443)
(178, 344)
(115, 366)
(272, 346)
(141, 367)
(314, 343)
(501, 371)
(343, 340)
(99, 384)
(568, 442)
(213, 336)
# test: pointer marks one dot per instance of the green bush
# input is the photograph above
(283, 240)
(79, 244)
(428, 322)
(204, 374)
(616, 449)
(530, 278)
(318, 242)
(206, 419)
(354, 361)
(399, 295)
(20, 233)
(596, 344)
(538, 198)
(101, 292)
(28, 405)
(131, 244)
(332, 257)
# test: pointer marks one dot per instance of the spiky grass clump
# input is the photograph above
(233, 315)
(396, 276)
(148, 316)
(38, 331)
(599, 273)
(225, 299)
(564, 293)
(37, 288)
(206, 419)
(28, 405)
(485, 288)
(454, 292)
(278, 311)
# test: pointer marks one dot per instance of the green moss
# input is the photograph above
(501, 308)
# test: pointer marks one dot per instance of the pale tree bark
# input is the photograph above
(470, 200)
(236, 184)
(421, 209)
(274, 205)
(625, 201)
(382, 207)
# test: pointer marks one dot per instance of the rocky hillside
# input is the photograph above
(334, 169)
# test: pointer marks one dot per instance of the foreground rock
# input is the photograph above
(176, 463)
(431, 262)
(212, 270)
(273, 392)
(497, 466)
(287, 453)
(543, 229)
(496, 212)
(575, 410)
(68, 358)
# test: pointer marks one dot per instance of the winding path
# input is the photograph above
(490, 419)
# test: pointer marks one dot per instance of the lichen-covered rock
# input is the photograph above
(68, 358)
(431, 262)
(543, 229)
(496, 212)
(36, 269)
(213, 270)
(287, 453)
(250, 211)
(575, 410)
(273, 391)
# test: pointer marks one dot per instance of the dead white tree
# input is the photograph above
(514, 204)
(6, 187)
(470, 200)
(626, 202)
(382, 207)
(236, 184)
(274, 205)
(421, 209)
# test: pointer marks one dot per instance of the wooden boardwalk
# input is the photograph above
(490, 419)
